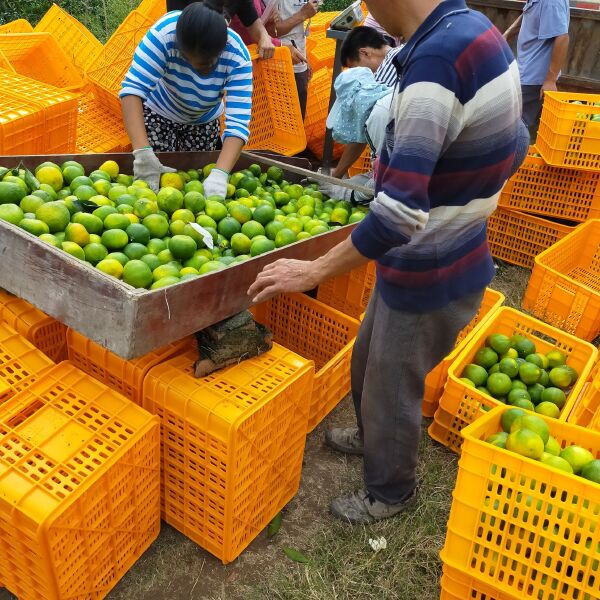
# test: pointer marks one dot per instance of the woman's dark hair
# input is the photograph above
(201, 29)
(360, 37)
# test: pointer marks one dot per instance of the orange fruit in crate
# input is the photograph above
(526, 443)
(173, 180)
(532, 423)
(577, 457)
(52, 176)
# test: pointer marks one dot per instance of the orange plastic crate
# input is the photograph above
(518, 238)
(153, 9)
(320, 50)
(587, 411)
(44, 332)
(17, 26)
(566, 136)
(21, 125)
(322, 20)
(39, 56)
(77, 42)
(436, 378)
(98, 129)
(318, 333)
(564, 288)
(542, 189)
(350, 292)
(123, 376)
(232, 444)
(20, 362)
(80, 484)
(527, 529)
(459, 585)
(317, 108)
(109, 67)
(461, 404)
(363, 165)
(51, 131)
(276, 122)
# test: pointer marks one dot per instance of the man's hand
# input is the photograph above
(548, 86)
(284, 275)
(297, 56)
(310, 9)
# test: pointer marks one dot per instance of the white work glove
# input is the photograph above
(216, 183)
(337, 192)
(147, 167)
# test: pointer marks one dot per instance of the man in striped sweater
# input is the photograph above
(449, 148)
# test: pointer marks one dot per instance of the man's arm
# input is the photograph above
(513, 29)
(557, 61)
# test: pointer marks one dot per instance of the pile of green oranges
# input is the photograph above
(152, 240)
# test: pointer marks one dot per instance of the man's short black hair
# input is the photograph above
(360, 37)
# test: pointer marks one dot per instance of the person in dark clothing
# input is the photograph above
(247, 14)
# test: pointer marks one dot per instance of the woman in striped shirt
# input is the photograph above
(172, 96)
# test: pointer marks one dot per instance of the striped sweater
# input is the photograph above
(449, 148)
(169, 85)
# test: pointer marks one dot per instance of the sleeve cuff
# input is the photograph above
(368, 242)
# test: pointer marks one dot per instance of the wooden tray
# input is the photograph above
(128, 321)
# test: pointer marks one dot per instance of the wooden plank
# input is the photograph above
(127, 321)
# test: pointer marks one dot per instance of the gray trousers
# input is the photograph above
(393, 353)
(532, 108)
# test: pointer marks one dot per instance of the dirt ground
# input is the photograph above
(342, 563)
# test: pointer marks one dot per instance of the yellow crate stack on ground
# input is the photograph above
(587, 411)
(564, 288)
(77, 42)
(153, 9)
(276, 121)
(98, 129)
(521, 528)
(232, 444)
(107, 71)
(35, 118)
(21, 363)
(320, 50)
(319, 333)
(40, 57)
(80, 484)
(44, 332)
(461, 404)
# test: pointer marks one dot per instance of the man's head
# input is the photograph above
(364, 47)
(201, 36)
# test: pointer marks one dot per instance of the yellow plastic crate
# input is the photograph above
(322, 20)
(528, 530)
(542, 189)
(153, 9)
(567, 137)
(35, 118)
(79, 487)
(350, 292)
(17, 26)
(363, 165)
(318, 333)
(461, 404)
(320, 50)
(123, 376)
(564, 288)
(109, 67)
(40, 57)
(587, 411)
(77, 42)
(436, 378)
(21, 363)
(459, 585)
(518, 238)
(98, 129)
(276, 122)
(44, 332)
(232, 444)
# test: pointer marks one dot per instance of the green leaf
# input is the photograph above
(85, 206)
(275, 525)
(295, 555)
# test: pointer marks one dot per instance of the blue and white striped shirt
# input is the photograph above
(168, 85)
